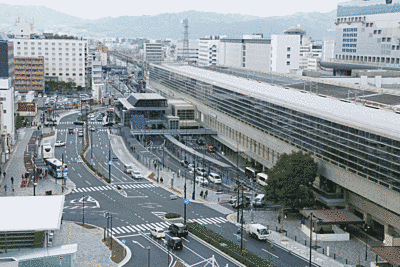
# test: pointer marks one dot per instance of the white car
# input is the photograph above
(201, 171)
(201, 180)
(157, 232)
(60, 143)
(136, 174)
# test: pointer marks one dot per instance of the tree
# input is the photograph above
(290, 181)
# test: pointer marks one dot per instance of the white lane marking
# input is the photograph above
(269, 253)
(87, 182)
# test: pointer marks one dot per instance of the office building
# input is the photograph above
(7, 90)
(29, 74)
(97, 82)
(251, 52)
(285, 52)
(358, 156)
(153, 52)
(367, 32)
(208, 51)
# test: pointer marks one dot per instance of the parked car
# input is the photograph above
(201, 171)
(174, 242)
(80, 133)
(99, 119)
(200, 142)
(59, 143)
(157, 232)
(128, 168)
(242, 203)
(178, 229)
(191, 168)
(92, 128)
(211, 148)
(201, 180)
(70, 130)
(79, 122)
(136, 174)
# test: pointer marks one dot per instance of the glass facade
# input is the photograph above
(343, 11)
(366, 153)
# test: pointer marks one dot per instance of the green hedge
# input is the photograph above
(172, 215)
(232, 249)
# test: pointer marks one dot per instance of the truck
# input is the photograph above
(258, 231)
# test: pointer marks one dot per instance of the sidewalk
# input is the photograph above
(351, 250)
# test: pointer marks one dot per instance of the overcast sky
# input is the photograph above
(116, 8)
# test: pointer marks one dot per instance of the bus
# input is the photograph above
(55, 168)
(262, 179)
(47, 151)
(250, 173)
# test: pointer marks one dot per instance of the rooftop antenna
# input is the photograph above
(185, 23)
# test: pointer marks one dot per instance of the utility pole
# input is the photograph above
(83, 210)
(241, 230)
(194, 180)
(111, 233)
(184, 207)
(109, 160)
(310, 237)
(62, 171)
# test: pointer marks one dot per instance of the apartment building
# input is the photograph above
(97, 83)
(285, 52)
(192, 55)
(153, 52)
(208, 51)
(29, 74)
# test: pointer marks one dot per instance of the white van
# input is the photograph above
(262, 179)
(258, 201)
(128, 168)
(214, 178)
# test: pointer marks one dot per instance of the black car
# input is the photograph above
(79, 122)
(174, 242)
(178, 229)
(184, 163)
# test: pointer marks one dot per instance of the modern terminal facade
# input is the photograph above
(357, 147)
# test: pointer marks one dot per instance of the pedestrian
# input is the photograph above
(4, 174)
(201, 193)
(161, 180)
(206, 194)
(279, 219)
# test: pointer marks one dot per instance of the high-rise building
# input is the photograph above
(367, 32)
(208, 51)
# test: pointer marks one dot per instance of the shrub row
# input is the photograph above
(172, 215)
(231, 248)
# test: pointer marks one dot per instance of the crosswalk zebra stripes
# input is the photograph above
(90, 122)
(163, 225)
(108, 187)
(97, 130)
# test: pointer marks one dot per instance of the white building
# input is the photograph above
(310, 54)
(97, 83)
(103, 56)
(192, 53)
(285, 52)
(64, 60)
(252, 52)
(7, 99)
(208, 51)
(153, 52)
(22, 30)
(328, 49)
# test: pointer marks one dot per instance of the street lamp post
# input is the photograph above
(184, 207)
(311, 215)
(83, 210)
(34, 188)
(109, 160)
(148, 258)
(62, 173)
(194, 180)
(366, 228)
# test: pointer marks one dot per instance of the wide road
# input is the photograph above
(133, 214)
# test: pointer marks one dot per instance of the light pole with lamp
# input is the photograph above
(184, 207)
(148, 257)
(366, 228)
(311, 215)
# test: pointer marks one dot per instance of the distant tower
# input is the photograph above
(185, 51)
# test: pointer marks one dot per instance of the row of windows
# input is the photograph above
(369, 24)
(365, 152)
(349, 45)
(386, 39)
(350, 40)
(377, 31)
(47, 43)
(349, 50)
(60, 74)
(46, 54)
(46, 48)
(349, 34)
(349, 29)
(386, 60)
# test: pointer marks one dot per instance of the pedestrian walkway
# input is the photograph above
(163, 225)
(108, 187)
(91, 250)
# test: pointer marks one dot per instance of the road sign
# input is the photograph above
(110, 162)
(186, 201)
(123, 241)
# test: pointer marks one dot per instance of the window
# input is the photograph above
(367, 25)
(19, 53)
(80, 74)
(46, 48)
(383, 39)
(60, 74)
(288, 56)
(371, 24)
(375, 31)
(33, 53)
(389, 39)
(4, 111)
(60, 54)
(288, 49)
(288, 63)
(379, 31)
(53, 43)
(73, 74)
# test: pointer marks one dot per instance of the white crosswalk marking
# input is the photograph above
(101, 188)
(163, 225)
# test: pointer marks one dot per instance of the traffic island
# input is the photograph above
(227, 246)
(118, 252)
(86, 226)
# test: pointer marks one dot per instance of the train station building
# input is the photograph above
(357, 147)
